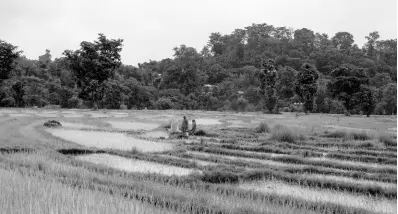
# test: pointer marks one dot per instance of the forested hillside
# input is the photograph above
(257, 68)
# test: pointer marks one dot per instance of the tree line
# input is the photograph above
(257, 68)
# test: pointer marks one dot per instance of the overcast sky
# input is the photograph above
(151, 29)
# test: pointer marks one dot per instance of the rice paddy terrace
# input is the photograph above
(126, 162)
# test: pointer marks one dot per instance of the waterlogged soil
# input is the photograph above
(76, 125)
(99, 115)
(132, 165)
(19, 115)
(122, 125)
(207, 121)
(156, 134)
(72, 115)
(46, 115)
(235, 158)
(323, 196)
(109, 140)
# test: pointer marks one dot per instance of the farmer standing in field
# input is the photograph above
(184, 126)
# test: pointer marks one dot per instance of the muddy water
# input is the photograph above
(207, 121)
(156, 134)
(108, 140)
(123, 125)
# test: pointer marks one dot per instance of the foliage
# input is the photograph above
(306, 86)
(270, 77)
(249, 69)
(8, 57)
(93, 64)
(346, 84)
(367, 99)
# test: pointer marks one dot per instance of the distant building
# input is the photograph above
(207, 88)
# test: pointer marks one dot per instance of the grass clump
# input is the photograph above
(349, 135)
(218, 176)
(360, 136)
(387, 140)
(336, 134)
(204, 133)
(284, 134)
(263, 128)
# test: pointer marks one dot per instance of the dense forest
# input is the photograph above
(258, 68)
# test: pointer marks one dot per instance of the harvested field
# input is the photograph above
(131, 165)
(235, 166)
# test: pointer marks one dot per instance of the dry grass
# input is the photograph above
(349, 135)
(321, 196)
(21, 194)
(282, 133)
(387, 140)
(263, 127)
(105, 183)
(131, 165)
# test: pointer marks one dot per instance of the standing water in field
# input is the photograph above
(123, 125)
(207, 121)
(109, 140)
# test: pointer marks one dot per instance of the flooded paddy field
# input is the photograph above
(253, 162)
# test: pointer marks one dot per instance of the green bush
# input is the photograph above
(74, 102)
(8, 102)
(164, 103)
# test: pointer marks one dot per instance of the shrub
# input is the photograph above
(387, 140)
(200, 132)
(360, 135)
(164, 103)
(336, 134)
(74, 102)
(263, 128)
(220, 177)
(284, 134)
(122, 106)
(52, 123)
(8, 102)
(353, 135)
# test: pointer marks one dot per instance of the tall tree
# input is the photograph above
(306, 86)
(371, 44)
(367, 99)
(390, 98)
(343, 40)
(93, 64)
(304, 38)
(345, 85)
(8, 56)
(270, 77)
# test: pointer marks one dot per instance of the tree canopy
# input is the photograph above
(260, 67)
